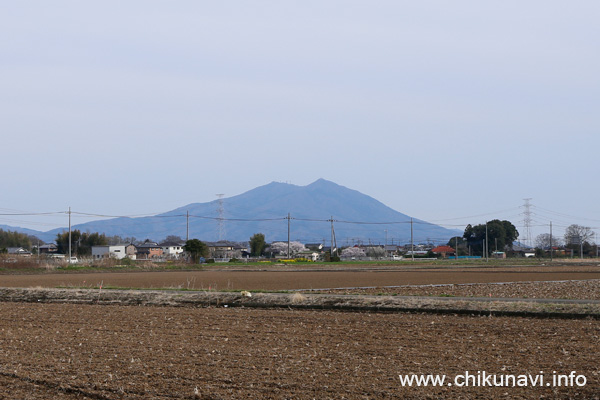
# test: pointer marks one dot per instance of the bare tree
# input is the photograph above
(544, 241)
(577, 234)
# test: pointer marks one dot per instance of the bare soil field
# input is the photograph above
(299, 279)
(71, 343)
(587, 289)
(126, 352)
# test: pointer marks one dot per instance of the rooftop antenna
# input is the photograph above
(220, 213)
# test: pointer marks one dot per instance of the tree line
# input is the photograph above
(581, 240)
(16, 239)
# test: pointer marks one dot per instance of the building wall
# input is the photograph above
(99, 252)
(108, 251)
(172, 251)
(117, 252)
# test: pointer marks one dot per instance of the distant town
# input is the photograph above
(496, 239)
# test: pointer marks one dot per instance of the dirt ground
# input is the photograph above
(126, 352)
(299, 279)
(82, 351)
(587, 289)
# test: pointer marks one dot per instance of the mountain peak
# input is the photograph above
(322, 182)
(264, 208)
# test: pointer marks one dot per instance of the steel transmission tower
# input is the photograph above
(527, 221)
(220, 219)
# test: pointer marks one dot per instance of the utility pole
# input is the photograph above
(412, 242)
(187, 226)
(333, 241)
(486, 242)
(69, 235)
(551, 245)
(456, 245)
(288, 218)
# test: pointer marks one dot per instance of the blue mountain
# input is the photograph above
(31, 232)
(356, 218)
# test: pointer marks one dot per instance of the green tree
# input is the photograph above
(91, 239)
(459, 244)
(14, 239)
(456, 240)
(81, 243)
(62, 241)
(196, 249)
(500, 234)
(257, 244)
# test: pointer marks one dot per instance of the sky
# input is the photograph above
(450, 112)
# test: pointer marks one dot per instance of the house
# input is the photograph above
(390, 250)
(444, 251)
(148, 251)
(224, 249)
(309, 255)
(18, 251)
(131, 251)
(498, 254)
(522, 250)
(48, 249)
(109, 251)
(314, 246)
(416, 253)
(172, 250)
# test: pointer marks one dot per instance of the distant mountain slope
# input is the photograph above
(42, 235)
(357, 217)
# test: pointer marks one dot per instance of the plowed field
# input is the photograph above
(86, 351)
(290, 280)
(123, 352)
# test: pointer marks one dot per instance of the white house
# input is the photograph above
(308, 254)
(172, 250)
(109, 251)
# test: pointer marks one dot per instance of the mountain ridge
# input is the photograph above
(357, 217)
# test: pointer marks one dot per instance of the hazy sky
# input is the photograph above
(452, 112)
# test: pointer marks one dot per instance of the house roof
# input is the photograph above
(318, 245)
(443, 249)
(17, 250)
(171, 244)
(226, 243)
(147, 246)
